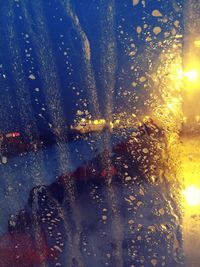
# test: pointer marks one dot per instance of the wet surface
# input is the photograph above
(93, 90)
(122, 213)
(190, 173)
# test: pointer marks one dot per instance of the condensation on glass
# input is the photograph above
(99, 129)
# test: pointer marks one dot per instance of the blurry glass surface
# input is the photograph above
(99, 133)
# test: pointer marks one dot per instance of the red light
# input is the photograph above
(14, 134)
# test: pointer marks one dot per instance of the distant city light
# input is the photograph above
(96, 122)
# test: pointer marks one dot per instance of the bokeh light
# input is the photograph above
(192, 195)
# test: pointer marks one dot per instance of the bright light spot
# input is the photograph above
(191, 75)
(146, 119)
(173, 105)
(197, 43)
(96, 122)
(192, 195)
(179, 73)
(184, 119)
(197, 118)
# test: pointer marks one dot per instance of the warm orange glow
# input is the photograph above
(184, 119)
(197, 118)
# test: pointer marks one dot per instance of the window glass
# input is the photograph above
(99, 133)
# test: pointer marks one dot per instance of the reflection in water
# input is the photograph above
(109, 197)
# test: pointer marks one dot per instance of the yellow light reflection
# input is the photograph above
(111, 125)
(197, 43)
(184, 119)
(189, 171)
(191, 75)
(96, 122)
(173, 105)
(197, 118)
(192, 195)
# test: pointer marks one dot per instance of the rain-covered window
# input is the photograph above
(99, 133)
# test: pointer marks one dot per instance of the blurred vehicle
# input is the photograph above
(14, 143)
